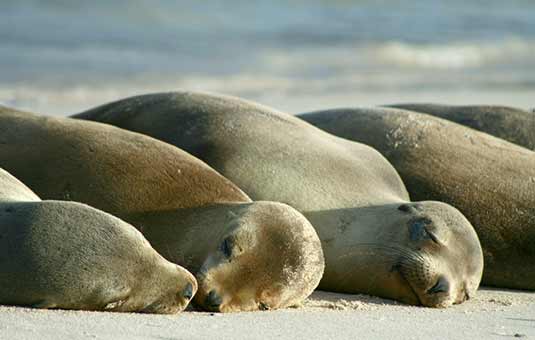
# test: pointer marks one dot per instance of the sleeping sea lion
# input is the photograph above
(491, 181)
(56, 254)
(375, 241)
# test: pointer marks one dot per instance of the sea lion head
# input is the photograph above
(420, 253)
(268, 256)
(444, 260)
(69, 255)
(438, 260)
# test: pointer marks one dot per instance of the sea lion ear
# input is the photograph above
(410, 208)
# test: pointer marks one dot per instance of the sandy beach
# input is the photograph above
(491, 314)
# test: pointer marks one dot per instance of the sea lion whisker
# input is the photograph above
(392, 250)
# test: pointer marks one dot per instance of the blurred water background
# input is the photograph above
(64, 56)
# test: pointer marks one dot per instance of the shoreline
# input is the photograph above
(63, 103)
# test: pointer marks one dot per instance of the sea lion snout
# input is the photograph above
(188, 289)
(187, 293)
(213, 301)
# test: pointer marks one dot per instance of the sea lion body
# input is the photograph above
(56, 254)
(348, 191)
(489, 180)
(514, 125)
(114, 170)
(133, 176)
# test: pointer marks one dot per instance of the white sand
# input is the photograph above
(492, 314)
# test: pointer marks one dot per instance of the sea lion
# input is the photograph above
(110, 169)
(514, 125)
(231, 246)
(56, 254)
(132, 176)
(491, 181)
(374, 240)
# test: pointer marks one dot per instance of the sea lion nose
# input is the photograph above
(213, 300)
(187, 293)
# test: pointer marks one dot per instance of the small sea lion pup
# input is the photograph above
(56, 254)
(375, 241)
(246, 256)
(491, 181)
(512, 124)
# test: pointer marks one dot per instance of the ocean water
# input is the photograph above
(64, 56)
